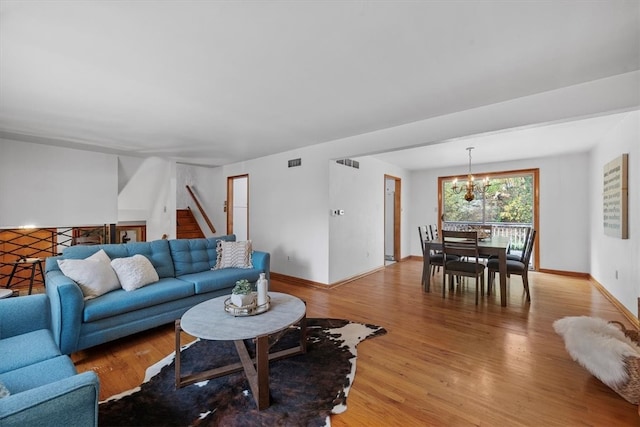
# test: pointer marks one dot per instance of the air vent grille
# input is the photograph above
(348, 162)
(295, 162)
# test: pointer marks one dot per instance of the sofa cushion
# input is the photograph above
(195, 255)
(94, 274)
(212, 280)
(157, 252)
(121, 301)
(22, 350)
(38, 374)
(234, 255)
(134, 272)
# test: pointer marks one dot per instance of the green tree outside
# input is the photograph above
(507, 200)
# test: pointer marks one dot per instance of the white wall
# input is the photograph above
(149, 197)
(289, 210)
(609, 254)
(357, 238)
(56, 187)
(564, 209)
(62, 187)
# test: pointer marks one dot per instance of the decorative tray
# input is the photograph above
(246, 310)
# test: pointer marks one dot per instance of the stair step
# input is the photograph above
(187, 226)
(192, 235)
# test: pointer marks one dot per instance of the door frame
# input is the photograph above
(396, 214)
(229, 202)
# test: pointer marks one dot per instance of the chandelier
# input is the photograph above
(470, 187)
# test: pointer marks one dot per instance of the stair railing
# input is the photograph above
(204, 214)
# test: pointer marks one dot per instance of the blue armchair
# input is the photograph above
(43, 385)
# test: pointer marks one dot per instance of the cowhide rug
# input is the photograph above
(305, 389)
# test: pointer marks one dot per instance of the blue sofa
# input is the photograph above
(44, 387)
(186, 279)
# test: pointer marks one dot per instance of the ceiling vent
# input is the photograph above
(348, 162)
(295, 162)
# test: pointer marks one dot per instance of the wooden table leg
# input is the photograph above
(262, 364)
(426, 268)
(258, 375)
(256, 370)
(502, 267)
(303, 334)
(178, 329)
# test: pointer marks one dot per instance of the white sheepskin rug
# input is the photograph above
(598, 346)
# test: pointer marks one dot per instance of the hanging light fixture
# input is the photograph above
(470, 188)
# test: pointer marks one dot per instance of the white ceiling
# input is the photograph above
(216, 82)
(513, 144)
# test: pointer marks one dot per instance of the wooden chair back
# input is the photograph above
(526, 255)
(422, 231)
(460, 243)
(433, 231)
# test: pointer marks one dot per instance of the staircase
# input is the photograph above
(187, 226)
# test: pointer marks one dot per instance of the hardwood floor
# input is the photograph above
(443, 362)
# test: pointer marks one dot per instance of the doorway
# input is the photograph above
(392, 187)
(237, 206)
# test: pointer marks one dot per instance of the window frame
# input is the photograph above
(535, 172)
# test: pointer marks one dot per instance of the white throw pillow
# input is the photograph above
(134, 272)
(93, 274)
(233, 255)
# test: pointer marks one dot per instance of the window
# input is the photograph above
(509, 205)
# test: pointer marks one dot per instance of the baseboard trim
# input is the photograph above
(297, 281)
(613, 300)
(565, 273)
(311, 284)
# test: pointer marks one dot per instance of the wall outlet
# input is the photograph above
(616, 274)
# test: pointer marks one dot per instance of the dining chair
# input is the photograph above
(436, 258)
(520, 268)
(433, 231)
(518, 256)
(464, 245)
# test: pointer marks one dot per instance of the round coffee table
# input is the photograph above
(209, 320)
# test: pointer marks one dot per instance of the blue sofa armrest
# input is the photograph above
(262, 261)
(23, 314)
(67, 303)
(72, 401)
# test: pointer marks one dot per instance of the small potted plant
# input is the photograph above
(242, 294)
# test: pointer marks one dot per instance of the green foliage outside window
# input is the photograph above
(508, 199)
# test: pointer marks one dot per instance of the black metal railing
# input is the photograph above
(39, 243)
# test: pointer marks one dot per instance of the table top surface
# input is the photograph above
(209, 320)
(492, 242)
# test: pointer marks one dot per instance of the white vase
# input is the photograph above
(241, 300)
(262, 284)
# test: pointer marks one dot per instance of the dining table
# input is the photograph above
(494, 245)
